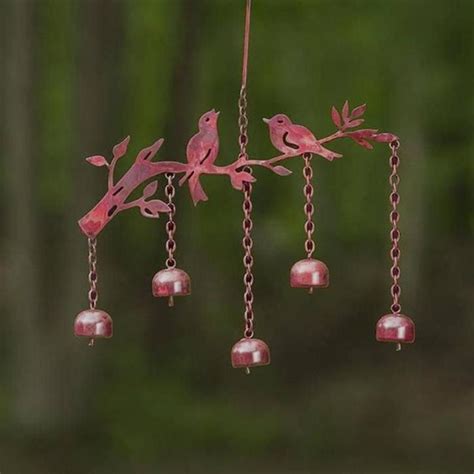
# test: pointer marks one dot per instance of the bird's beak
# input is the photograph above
(266, 120)
(218, 113)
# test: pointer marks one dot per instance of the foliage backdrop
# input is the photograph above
(78, 76)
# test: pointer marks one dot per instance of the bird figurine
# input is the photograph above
(201, 152)
(295, 140)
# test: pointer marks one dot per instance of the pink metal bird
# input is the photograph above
(201, 152)
(295, 140)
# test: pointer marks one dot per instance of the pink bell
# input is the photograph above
(396, 328)
(309, 273)
(249, 352)
(94, 324)
(171, 282)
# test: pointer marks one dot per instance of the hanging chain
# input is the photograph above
(170, 225)
(247, 223)
(247, 243)
(308, 207)
(394, 181)
(243, 123)
(93, 293)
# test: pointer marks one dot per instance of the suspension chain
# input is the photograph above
(308, 207)
(243, 122)
(170, 225)
(247, 223)
(247, 243)
(93, 292)
(394, 180)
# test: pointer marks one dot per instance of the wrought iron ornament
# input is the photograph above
(290, 140)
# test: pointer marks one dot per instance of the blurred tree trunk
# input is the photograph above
(50, 367)
(28, 346)
(413, 204)
(184, 75)
(96, 54)
(180, 108)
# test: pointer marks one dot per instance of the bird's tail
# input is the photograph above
(328, 154)
(196, 190)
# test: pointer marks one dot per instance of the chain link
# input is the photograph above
(394, 180)
(309, 206)
(170, 225)
(93, 293)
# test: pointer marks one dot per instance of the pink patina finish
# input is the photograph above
(250, 352)
(202, 151)
(396, 328)
(296, 140)
(94, 324)
(292, 139)
(309, 273)
(114, 200)
(171, 282)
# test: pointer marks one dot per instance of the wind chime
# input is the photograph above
(291, 140)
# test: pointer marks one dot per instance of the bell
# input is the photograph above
(309, 273)
(93, 323)
(171, 282)
(396, 328)
(249, 352)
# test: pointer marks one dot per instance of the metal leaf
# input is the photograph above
(281, 170)
(336, 118)
(358, 111)
(150, 189)
(354, 123)
(237, 179)
(385, 137)
(97, 160)
(120, 149)
(345, 111)
(153, 208)
(363, 143)
(149, 152)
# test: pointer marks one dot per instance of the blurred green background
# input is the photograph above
(161, 397)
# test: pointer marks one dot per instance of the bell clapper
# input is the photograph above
(398, 348)
(310, 290)
(92, 342)
(171, 301)
(247, 370)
